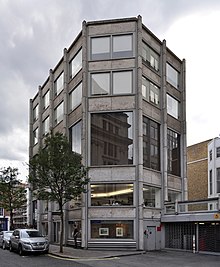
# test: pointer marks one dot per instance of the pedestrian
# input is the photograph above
(75, 234)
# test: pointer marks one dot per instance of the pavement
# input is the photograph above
(80, 253)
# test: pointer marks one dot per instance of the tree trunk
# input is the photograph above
(62, 228)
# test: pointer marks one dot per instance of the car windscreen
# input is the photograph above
(28, 234)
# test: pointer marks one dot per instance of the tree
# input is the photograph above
(57, 174)
(12, 192)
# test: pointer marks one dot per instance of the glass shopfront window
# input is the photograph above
(151, 196)
(109, 229)
(111, 194)
(111, 138)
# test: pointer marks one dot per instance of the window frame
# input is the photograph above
(150, 87)
(46, 99)
(173, 106)
(77, 91)
(170, 71)
(59, 117)
(109, 54)
(111, 82)
(152, 55)
(58, 90)
(217, 152)
(78, 67)
(35, 136)
(36, 112)
(156, 201)
(77, 124)
(44, 124)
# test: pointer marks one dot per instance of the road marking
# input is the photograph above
(83, 259)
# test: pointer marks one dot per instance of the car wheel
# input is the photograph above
(10, 247)
(20, 250)
(3, 245)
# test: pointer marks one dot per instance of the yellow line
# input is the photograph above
(83, 259)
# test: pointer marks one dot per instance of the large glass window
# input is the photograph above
(100, 83)
(36, 112)
(218, 180)
(173, 196)
(58, 84)
(107, 47)
(150, 57)
(217, 152)
(111, 194)
(35, 135)
(112, 83)
(122, 46)
(108, 229)
(172, 106)
(210, 182)
(75, 97)
(111, 138)
(172, 76)
(76, 64)
(151, 196)
(151, 144)
(46, 100)
(150, 91)
(75, 135)
(58, 113)
(173, 150)
(46, 125)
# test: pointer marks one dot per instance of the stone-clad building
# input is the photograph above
(118, 93)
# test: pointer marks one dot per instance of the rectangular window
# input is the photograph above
(75, 97)
(46, 100)
(111, 194)
(122, 46)
(173, 196)
(100, 83)
(173, 151)
(150, 57)
(210, 182)
(36, 112)
(151, 144)
(210, 155)
(112, 83)
(100, 48)
(150, 91)
(151, 196)
(76, 64)
(75, 137)
(172, 76)
(122, 82)
(172, 106)
(58, 113)
(108, 47)
(111, 138)
(1, 212)
(46, 125)
(218, 180)
(35, 135)
(112, 229)
(58, 84)
(217, 152)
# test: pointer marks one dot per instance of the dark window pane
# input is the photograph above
(173, 150)
(110, 146)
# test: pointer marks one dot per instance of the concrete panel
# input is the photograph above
(100, 103)
(58, 99)
(46, 113)
(111, 64)
(75, 81)
(173, 92)
(35, 149)
(58, 70)
(151, 41)
(173, 61)
(152, 177)
(123, 102)
(75, 214)
(111, 28)
(151, 111)
(75, 48)
(112, 174)
(174, 182)
(111, 212)
(151, 75)
(174, 124)
(45, 88)
(75, 115)
(151, 213)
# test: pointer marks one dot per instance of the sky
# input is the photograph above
(33, 34)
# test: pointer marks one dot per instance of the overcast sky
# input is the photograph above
(33, 34)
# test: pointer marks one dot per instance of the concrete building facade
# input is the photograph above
(118, 93)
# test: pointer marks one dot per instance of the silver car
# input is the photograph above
(28, 240)
(5, 239)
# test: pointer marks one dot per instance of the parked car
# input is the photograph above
(28, 240)
(5, 239)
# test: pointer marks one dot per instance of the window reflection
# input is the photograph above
(151, 196)
(75, 135)
(173, 150)
(122, 46)
(76, 64)
(122, 82)
(172, 106)
(100, 83)
(76, 97)
(172, 76)
(100, 48)
(111, 138)
(111, 194)
(112, 229)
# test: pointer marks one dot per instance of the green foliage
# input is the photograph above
(12, 192)
(56, 173)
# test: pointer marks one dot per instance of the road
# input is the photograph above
(150, 259)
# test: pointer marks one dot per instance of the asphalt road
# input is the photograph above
(151, 259)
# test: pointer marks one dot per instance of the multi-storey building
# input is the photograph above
(118, 93)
